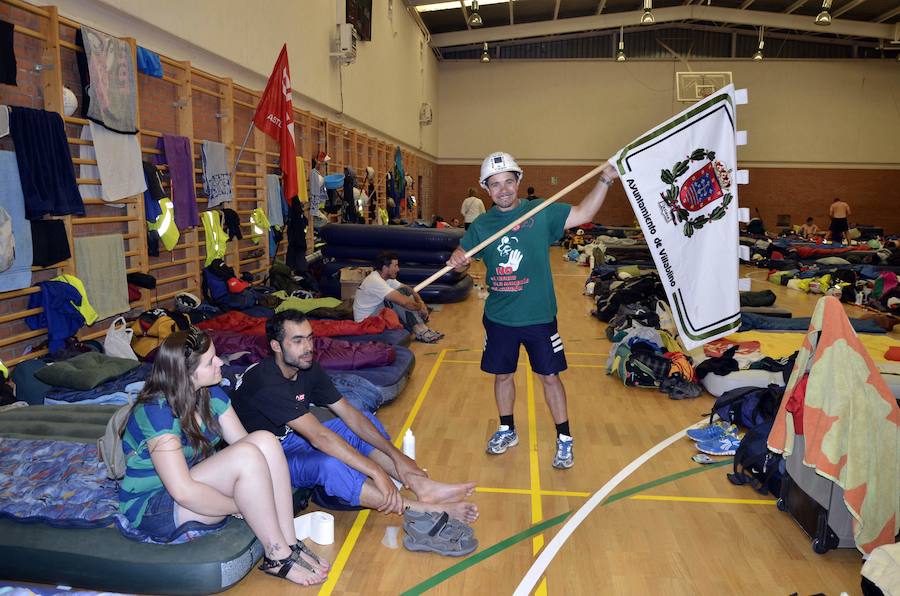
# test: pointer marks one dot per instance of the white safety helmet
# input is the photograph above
(496, 163)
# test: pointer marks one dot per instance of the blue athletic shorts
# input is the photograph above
(310, 467)
(542, 343)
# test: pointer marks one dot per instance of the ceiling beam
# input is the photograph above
(555, 10)
(511, 20)
(746, 4)
(849, 6)
(891, 13)
(465, 14)
(795, 6)
(600, 6)
(714, 14)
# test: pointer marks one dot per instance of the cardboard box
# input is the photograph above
(351, 277)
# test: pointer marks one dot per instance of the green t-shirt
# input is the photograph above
(518, 264)
(149, 420)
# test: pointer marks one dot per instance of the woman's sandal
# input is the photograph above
(440, 537)
(284, 567)
(300, 547)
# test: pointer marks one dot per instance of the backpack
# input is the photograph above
(109, 446)
(748, 406)
(755, 465)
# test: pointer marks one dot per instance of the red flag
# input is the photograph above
(275, 117)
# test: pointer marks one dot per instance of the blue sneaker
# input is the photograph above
(564, 457)
(726, 444)
(712, 431)
(502, 440)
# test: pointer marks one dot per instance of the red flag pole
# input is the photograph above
(241, 150)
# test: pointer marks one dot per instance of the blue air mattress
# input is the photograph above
(405, 255)
(391, 237)
(101, 558)
(409, 274)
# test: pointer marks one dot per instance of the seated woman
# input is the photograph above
(175, 480)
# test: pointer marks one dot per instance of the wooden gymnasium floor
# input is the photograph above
(677, 534)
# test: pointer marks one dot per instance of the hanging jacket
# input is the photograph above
(84, 306)
(60, 317)
(215, 235)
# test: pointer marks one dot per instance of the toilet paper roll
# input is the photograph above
(318, 526)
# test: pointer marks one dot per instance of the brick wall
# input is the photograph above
(873, 195)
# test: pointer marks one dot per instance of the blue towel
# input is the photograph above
(148, 63)
(45, 164)
(18, 276)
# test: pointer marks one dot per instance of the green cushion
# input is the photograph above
(85, 371)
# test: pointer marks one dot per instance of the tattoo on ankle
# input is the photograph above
(271, 550)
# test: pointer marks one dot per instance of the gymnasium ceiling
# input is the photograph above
(870, 27)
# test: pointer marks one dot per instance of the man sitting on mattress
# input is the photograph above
(327, 441)
(381, 288)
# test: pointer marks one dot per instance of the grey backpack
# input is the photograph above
(109, 446)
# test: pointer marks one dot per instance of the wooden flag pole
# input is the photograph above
(476, 249)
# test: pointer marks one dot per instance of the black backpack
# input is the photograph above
(755, 465)
(749, 407)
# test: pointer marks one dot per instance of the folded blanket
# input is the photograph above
(216, 177)
(850, 422)
(56, 482)
(119, 384)
(111, 97)
(85, 371)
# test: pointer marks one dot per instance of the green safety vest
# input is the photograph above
(260, 224)
(215, 235)
(165, 225)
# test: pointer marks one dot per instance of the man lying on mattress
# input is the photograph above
(350, 455)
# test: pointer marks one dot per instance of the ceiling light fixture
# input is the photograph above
(620, 55)
(647, 17)
(485, 56)
(758, 54)
(474, 17)
(823, 19)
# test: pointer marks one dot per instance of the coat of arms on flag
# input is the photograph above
(678, 178)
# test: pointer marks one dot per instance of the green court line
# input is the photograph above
(537, 529)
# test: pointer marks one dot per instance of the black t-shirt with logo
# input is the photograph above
(264, 400)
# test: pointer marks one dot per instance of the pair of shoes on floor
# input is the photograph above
(437, 533)
(429, 336)
(711, 431)
(725, 443)
(679, 388)
(505, 438)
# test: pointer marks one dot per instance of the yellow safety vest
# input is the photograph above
(87, 311)
(215, 235)
(4, 370)
(165, 224)
(259, 223)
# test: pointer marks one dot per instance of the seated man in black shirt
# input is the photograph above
(350, 456)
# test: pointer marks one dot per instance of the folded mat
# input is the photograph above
(751, 321)
(769, 311)
(85, 371)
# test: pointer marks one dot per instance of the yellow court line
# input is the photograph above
(361, 517)
(703, 500)
(537, 511)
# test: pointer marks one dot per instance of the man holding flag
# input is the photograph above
(521, 306)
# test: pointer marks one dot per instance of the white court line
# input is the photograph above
(543, 561)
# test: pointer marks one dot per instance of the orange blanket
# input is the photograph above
(851, 424)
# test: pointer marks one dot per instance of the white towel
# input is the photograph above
(118, 166)
(216, 177)
(679, 177)
(273, 200)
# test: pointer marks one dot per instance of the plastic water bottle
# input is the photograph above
(409, 444)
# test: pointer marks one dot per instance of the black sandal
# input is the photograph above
(300, 547)
(285, 565)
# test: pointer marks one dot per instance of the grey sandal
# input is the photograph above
(425, 520)
(440, 536)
